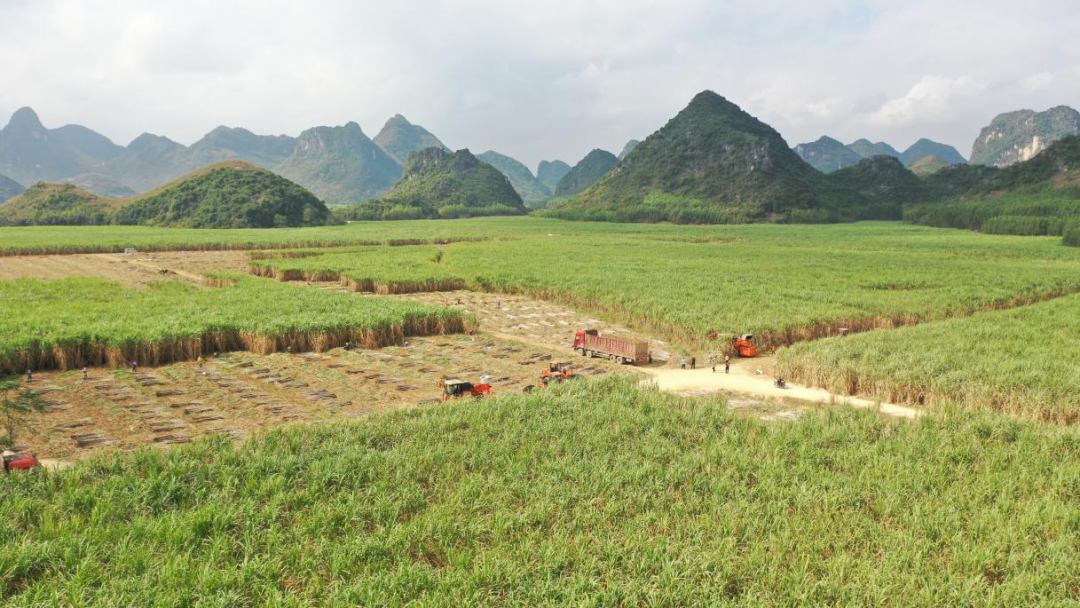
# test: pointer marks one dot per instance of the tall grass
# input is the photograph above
(597, 494)
(373, 269)
(70, 323)
(785, 284)
(1022, 361)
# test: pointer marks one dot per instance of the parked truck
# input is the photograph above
(590, 343)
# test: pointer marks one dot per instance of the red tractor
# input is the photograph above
(456, 390)
(744, 346)
(555, 372)
(19, 462)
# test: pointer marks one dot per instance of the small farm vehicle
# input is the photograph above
(455, 390)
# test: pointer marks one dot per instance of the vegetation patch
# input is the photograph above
(593, 493)
(784, 284)
(70, 323)
(1021, 361)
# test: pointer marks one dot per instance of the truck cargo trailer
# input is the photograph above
(589, 343)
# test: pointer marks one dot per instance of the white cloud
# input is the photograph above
(931, 100)
(536, 79)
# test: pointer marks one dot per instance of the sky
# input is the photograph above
(537, 80)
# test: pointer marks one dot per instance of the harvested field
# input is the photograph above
(135, 270)
(534, 322)
(244, 393)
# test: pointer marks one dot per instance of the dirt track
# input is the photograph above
(703, 380)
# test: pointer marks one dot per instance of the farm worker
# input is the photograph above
(85, 373)
(650, 358)
(682, 362)
(29, 375)
(714, 365)
(693, 362)
(7, 455)
(200, 361)
(774, 349)
(406, 345)
(134, 366)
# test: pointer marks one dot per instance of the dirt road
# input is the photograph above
(680, 380)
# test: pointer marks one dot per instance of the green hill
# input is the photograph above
(925, 147)
(340, 165)
(230, 194)
(712, 163)
(587, 172)
(524, 182)
(827, 155)
(46, 204)
(399, 138)
(1040, 196)
(9, 188)
(956, 180)
(865, 148)
(876, 188)
(928, 165)
(549, 172)
(437, 183)
(1017, 136)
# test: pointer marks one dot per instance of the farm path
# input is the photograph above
(546, 325)
(703, 380)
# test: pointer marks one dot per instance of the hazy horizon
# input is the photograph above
(537, 82)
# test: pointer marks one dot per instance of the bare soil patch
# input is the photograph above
(137, 269)
(244, 393)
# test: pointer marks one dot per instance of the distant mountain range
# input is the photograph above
(715, 163)
(587, 172)
(549, 172)
(524, 182)
(399, 138)
(828, 155)
(1017, 136)
(712, 162)
(441, 184)
(9, 188)
(340, 165)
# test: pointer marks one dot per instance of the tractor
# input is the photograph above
(557, 372)
(19, 462)
(455, 390)
(744, 346)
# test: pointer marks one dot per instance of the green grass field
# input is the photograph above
(73, 322)
(1022, 361)
(599, 493)
(784, 283)
(596, 494)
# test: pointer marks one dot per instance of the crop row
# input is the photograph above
(1025, 361)
(74, 322)
(593, 494)
(785, 285)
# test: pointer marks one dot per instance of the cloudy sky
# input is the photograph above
(539, 79)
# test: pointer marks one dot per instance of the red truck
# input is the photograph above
(590, 343)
